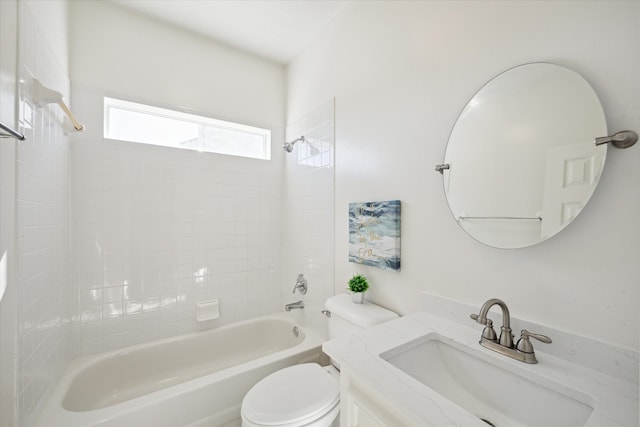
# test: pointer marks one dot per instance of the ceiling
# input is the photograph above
(274, 29)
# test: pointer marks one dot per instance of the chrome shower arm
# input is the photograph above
(288, 146)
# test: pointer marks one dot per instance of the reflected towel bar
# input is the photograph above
(43, 96)
(10, 133)
(536, 218)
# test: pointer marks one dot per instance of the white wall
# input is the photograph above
(35, 222)
(156, 229)
(51, 17)
(401, 72)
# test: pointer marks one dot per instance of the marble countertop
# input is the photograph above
(615, 400)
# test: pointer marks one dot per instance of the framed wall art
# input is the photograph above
(374, 234)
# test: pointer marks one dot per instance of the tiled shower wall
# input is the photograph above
(154, 229)
(309, 211)
(157, 229)
(42, 215)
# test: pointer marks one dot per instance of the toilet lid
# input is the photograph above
(292, 395)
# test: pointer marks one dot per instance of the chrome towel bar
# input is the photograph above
(8, 132)
(535, 218)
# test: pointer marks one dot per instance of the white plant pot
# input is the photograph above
(357, 297)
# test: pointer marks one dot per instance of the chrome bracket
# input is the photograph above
(622, 139)
(442, 167)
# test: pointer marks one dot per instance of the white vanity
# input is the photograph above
(428, 369)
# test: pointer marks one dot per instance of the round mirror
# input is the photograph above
(521, 156)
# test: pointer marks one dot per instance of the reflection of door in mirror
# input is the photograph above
(572, 173)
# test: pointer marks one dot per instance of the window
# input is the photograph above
(129, 121)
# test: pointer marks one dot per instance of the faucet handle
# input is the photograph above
(542, 338)
(488, 333)
(525, 346)
(478, 319)
(301, 283)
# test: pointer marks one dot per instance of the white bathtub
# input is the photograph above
(191, 380)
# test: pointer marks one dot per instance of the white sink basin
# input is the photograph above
(500, 392)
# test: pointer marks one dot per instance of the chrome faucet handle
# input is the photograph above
(525, 346)
(301, 283)
(488, 333)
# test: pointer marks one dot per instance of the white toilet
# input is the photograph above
(309, 394)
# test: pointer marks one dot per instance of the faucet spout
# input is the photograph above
(294, 305)
(506, 338)
(484, 310)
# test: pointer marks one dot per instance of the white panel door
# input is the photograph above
(571, 176)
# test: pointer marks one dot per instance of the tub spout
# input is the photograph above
(294, 305)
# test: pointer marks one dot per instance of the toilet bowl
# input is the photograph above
(308, 394)
(300, 395)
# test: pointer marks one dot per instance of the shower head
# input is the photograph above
(288, 146)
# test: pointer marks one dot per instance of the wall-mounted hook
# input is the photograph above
(43, 96)
(622, 139)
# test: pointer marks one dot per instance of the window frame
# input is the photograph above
(193, 118)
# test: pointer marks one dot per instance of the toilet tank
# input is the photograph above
(348, 317)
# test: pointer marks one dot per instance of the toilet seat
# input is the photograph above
(293, 396)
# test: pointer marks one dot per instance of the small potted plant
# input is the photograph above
(358, 285)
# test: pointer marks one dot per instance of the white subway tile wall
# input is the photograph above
(309, 210)
(156, 229)
(42, 215)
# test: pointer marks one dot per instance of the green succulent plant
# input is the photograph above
(358, 283)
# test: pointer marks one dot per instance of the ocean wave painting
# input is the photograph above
(374, 234)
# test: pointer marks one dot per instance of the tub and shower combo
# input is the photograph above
(193, 380)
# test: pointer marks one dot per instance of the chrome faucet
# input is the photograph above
(522, 351)
(506, 338)
(294, 305)
(301, 283)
